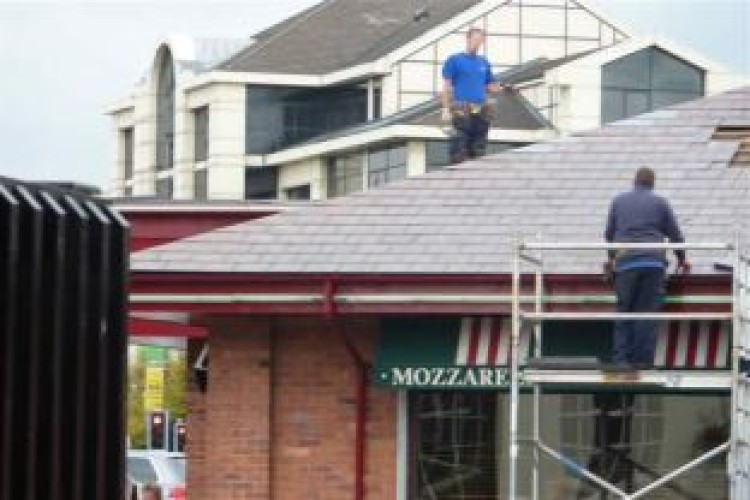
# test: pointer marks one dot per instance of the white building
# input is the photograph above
(341, 97)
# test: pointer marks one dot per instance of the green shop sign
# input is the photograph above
(448, 377)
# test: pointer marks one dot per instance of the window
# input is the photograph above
(141, 470)
(126, 136)
(260, 183)
(165, 112)
(165, 188)
(200, 120)
(458, 443)
(345, 174)
(297, 192)
(200, 184)
(377, 103)
(453, 445)
(647, 80)
(278, 117)
(386, 164)
(437, 153)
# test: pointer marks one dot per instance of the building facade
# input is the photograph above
(357, 347)
(314, 108)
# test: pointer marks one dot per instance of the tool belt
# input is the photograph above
(469, 108)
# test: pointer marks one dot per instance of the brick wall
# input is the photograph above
(238, 411)
(281, 413)
(196, 427)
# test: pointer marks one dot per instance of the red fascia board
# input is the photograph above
(140, 327)
(324, 285)
(153, 228)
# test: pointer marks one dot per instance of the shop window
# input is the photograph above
(453, 445)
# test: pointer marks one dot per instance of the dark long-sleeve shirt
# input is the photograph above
(638, 216)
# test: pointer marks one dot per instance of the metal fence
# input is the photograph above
(63, 344)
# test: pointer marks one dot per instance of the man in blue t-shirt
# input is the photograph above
(468, 79)
(640, 216)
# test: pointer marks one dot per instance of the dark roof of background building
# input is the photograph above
(337, 34)
(511, 111)
(464, 219)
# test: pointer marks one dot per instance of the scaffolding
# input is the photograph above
(735, 379)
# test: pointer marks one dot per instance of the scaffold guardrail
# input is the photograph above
(737, 379)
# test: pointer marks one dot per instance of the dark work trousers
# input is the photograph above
(470, 138)
(638, 290)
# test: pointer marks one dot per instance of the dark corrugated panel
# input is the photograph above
(63, 266)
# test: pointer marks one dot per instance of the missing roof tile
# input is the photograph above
(737, 134)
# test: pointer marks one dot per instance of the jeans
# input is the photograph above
(637, 290)
(470, 140)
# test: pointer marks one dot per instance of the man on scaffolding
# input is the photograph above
(467, 81)
(639, 216)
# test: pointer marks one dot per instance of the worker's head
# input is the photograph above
(474, 40)
(645, 178)
(151, 492)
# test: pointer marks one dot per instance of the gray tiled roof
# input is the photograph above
(463, 219)
(337, 34)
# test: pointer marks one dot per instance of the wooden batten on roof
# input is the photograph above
(736, 134)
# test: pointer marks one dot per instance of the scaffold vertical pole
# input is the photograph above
(514, 375)
(739, 453)
(538, 305)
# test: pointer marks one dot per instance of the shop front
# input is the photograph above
(453, 376)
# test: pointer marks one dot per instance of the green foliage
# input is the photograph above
(175, 385)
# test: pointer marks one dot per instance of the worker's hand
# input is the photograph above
(446, 116)
(684, 267)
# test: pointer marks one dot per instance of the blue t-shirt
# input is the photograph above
(469, 74)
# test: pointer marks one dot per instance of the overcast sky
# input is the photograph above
(62, 62)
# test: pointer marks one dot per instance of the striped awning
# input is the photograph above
(485, 341)
(693, 344)
(470, 346)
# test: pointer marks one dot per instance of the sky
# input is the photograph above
(62, 62)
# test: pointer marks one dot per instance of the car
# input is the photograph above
(162, 468)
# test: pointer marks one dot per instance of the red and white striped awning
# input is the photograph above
(485, 341)
(693, 344)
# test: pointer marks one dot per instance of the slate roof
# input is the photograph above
(337, 34)
(463, 219)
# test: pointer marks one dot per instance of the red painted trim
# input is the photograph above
(713, 343)
(324, 286)
(674, 334)
(152, 328)
(495, 333)
(361, 395)
(693, 343)
(476, 326)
